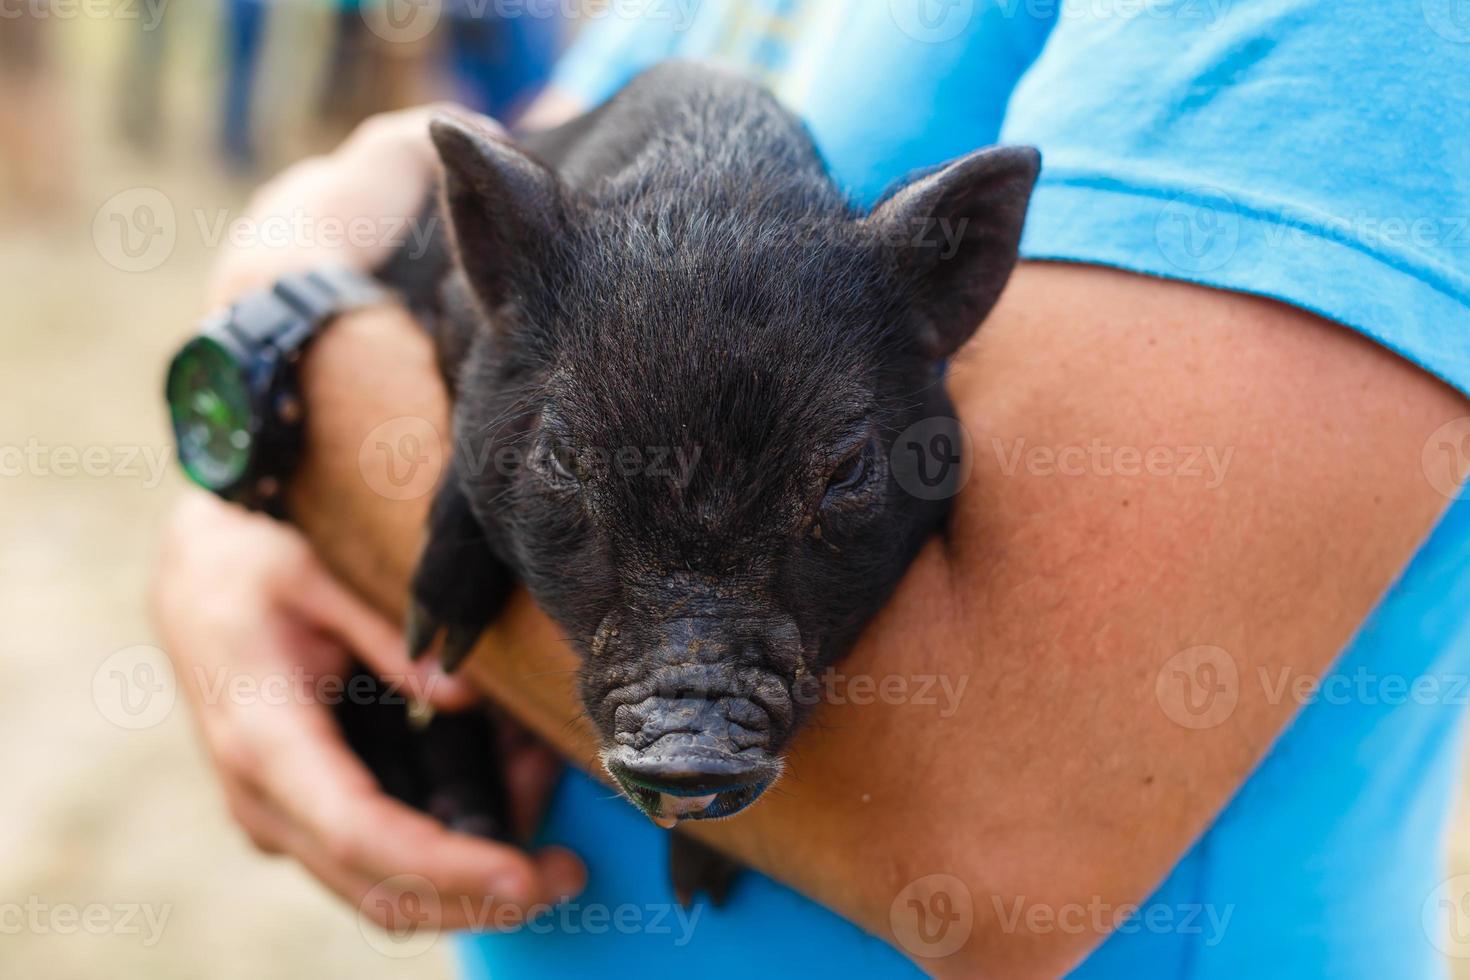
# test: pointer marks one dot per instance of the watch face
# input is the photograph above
(211, 410)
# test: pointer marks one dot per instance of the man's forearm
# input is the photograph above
(376, 443)
(1053, 774)
(379, 442)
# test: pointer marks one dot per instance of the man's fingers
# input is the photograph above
(382, 837)
(267, 830)
(327, 604)
(316, 780)
(383, 899)
(379, 896)
(531, 774)
(387, 902)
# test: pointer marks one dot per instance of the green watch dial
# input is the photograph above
(213, 420)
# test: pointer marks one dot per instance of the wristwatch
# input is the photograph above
(234, 393)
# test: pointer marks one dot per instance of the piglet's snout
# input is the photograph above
(698, 735)
(702, 712)
(719, 723)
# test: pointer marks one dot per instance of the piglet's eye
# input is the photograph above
(557, 464)
(852, 472)
(562, 465)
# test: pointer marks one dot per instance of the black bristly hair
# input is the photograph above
(675, 282)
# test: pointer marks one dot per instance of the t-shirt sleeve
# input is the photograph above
(1318, 154)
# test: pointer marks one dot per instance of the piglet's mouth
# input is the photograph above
(667, 809)
(669, 787)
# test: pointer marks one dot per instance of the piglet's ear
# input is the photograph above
(506, 210)
(953, 235)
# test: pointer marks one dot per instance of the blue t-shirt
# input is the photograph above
(1315, 153)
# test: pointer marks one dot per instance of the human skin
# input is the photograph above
(239, 598)
(1057, 598)
(1061, 778)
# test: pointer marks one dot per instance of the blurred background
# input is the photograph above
(116, 855)
(131, 132)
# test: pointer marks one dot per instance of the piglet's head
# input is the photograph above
(706, 384)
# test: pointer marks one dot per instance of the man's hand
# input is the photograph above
(239, 596)
(356, 204)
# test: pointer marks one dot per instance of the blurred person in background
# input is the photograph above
(140, 97)
(494, 63)
(244, 38)
(369, 73)
(35, 129)
(1197, 273)
(350, 66)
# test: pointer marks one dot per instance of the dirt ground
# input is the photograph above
(113, 840)
(97, 819)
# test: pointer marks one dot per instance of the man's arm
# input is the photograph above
(238, 595)
(1076, 567)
